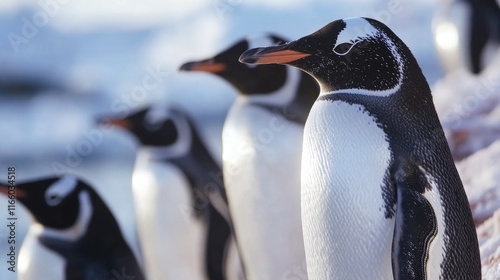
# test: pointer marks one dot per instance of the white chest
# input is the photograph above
(261, 162)
(37, 261)
(172, 239)
(345, 159)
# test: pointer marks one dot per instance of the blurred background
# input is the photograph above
(63, 63)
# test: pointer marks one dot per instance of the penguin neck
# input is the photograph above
(103, 230)
(411, 105)
(293, 100)
(180, 148)
(80, 226)
(307, 93)
(198, 161)
(411, 94)
(199, 167)
(190, 154)
(98, 236)
(281, 97)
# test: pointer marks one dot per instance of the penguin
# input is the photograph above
(71, 220)
(261, 144)
(467, 33)
(181, 207)
(381, 196)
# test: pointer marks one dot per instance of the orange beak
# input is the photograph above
(118, 123)
(18, 193)
(204, 66)
(271, 55)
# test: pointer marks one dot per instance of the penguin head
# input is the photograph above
(155, 126)
(247, 79)
(56, 203)
(352, 53)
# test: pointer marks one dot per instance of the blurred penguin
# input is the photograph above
(262, 148)
(183, 218)
(74, 223)
(467, 33)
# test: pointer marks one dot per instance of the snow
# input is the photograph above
(489, 245)
(480, 174)
(468, 108)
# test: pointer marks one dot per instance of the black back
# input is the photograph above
(201, 171)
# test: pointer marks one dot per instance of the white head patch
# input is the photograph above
(155, 117)
(181, 145)
(60, 189)
(78, 229)
(356, 30)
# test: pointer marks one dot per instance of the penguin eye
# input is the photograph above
(53, 200)
(60, 190)
(343, 48)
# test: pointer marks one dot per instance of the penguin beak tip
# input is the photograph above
(248, 60)
(186, 66)
(250, 56)
(209, 66)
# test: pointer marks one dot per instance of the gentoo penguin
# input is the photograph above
(182, 213)
(467, 33)
(75, 223)
(381, 197)
(261, 143)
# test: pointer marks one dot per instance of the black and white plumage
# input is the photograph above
(183, 217)
(467, 33)
(261, 142)
(75, 223)
(381, 197)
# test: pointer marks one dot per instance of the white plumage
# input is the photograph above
(345, 159)
(165, 213)
(261, 164)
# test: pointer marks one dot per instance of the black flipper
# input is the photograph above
(217, 242)
(78, 267)
(415, 227)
